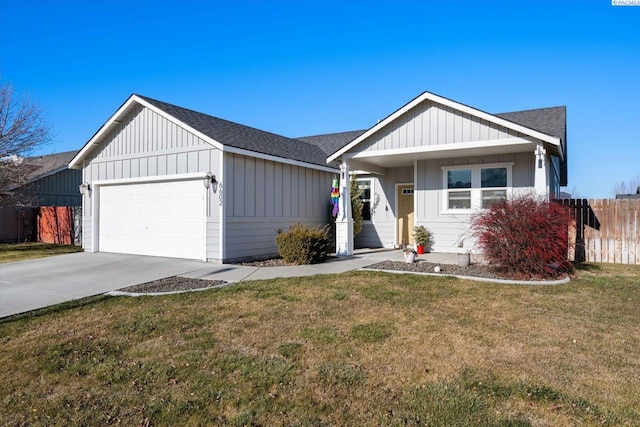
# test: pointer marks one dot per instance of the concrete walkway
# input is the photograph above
(334, 265)
(33, 284)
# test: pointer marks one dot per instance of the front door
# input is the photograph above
(405, 214)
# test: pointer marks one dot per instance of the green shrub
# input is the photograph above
(303, 245)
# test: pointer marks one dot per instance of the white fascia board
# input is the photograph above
(272, 158)
(119, 114)
(361, 166)
(378, 126)
(169, 117)
(460, 146)
(76, 161)
(494, 119)
(452, 104)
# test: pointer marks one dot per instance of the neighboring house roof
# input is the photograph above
(331, 142)
(42, 166)
(49, 164)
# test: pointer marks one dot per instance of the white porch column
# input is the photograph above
(541, 168)
(344, 221)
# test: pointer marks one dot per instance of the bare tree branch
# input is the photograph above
(23, 128)
(629, 187)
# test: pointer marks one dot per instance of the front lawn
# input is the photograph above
(22, 251)
(362, 348)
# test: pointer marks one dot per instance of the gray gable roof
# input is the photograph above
(38, 167)
(552, 121)
(332, 142)
(244, 137)
(49, 164)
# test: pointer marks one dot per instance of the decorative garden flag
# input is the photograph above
(335, 197)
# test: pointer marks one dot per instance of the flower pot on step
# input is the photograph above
(464, 259)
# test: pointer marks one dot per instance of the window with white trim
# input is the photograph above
(365, 187)
(472, 187)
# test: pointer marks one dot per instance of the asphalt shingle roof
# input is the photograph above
(37, 167)
(316, 148)
(44, 165)
(332, 142)
(551, 121)
(244, 137)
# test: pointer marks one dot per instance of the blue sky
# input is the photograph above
(301, 68)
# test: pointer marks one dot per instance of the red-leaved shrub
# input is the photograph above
(524, 235)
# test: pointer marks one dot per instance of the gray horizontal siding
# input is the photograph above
(213, 240)
(430, 123)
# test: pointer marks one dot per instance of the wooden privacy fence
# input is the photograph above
(59, 224)
(606, 230)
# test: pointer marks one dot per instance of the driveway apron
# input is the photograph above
(33, 284)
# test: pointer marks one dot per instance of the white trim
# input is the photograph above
(476, 189)
(114, 120)
(95, 218)
(123, 110)
(221, 206)
(249, 153)
(371, 180)
(205, 220)
(98, 184)
(415, 199)
(448, 103)
(157, 178)
(446, 147)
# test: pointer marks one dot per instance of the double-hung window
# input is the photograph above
(459, 186)
(472, 187)
(365, 187)
(493, 182)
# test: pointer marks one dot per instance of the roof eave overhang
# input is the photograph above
(550, 140)
(114, 120)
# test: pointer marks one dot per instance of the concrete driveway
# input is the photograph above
(33, 284)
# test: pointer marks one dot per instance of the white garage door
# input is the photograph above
(160, 219)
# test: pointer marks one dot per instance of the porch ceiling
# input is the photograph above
(406, 157)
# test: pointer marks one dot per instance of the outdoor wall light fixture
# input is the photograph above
(85, 188)
(540, 152)
(210, 181)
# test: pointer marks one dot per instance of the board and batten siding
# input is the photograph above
(263, 196)
(58, 189)
(431, 123)
(146, 144)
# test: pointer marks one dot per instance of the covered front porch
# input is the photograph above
(434, 162)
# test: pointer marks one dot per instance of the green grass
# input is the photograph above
(25, 251)
(362, 348)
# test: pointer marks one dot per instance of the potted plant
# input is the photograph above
(422, 238)
(464, 257)
(409, 256)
